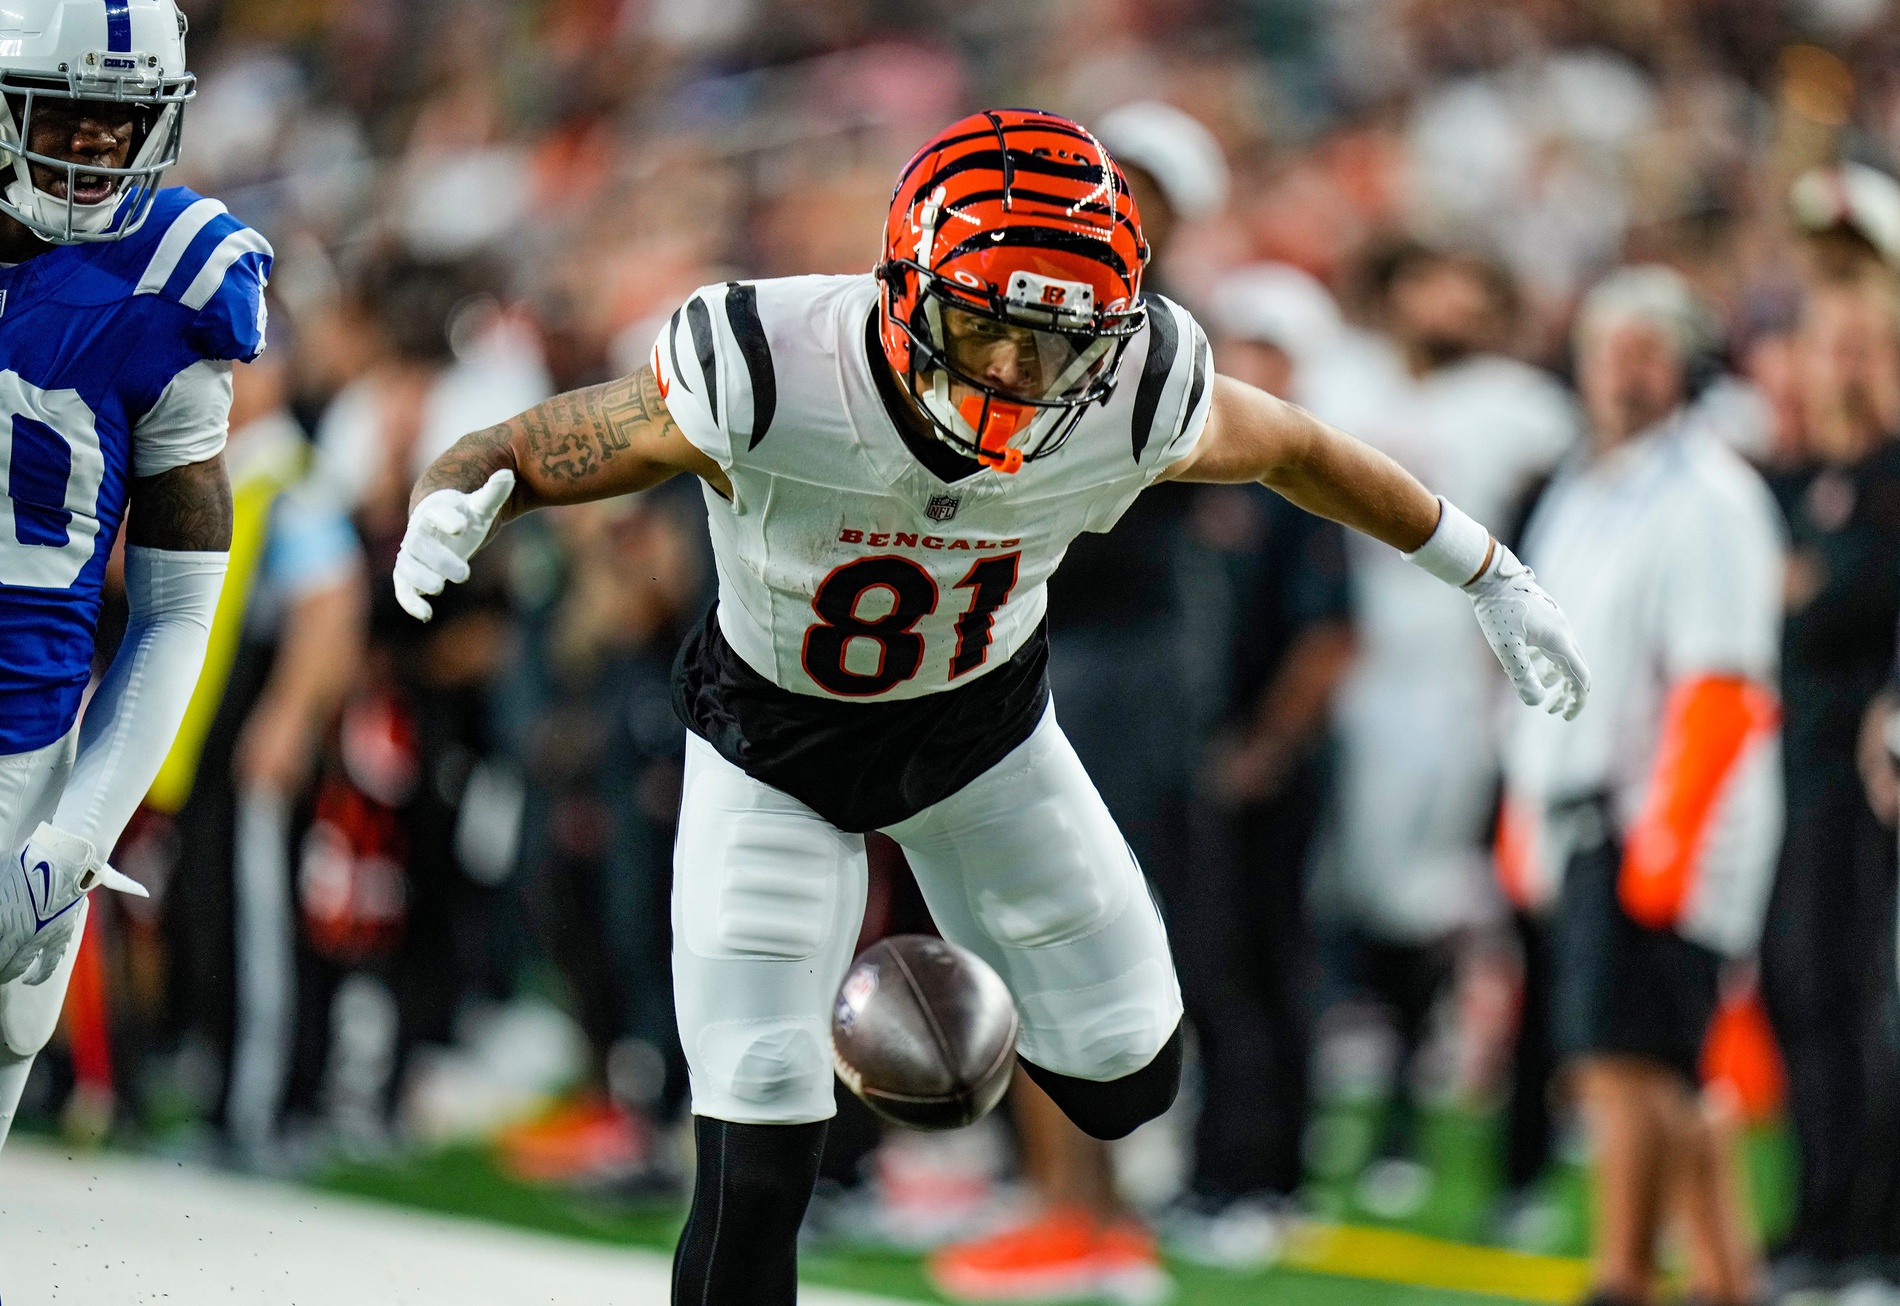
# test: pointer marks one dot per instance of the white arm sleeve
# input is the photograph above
(130, 722)
(189, 422)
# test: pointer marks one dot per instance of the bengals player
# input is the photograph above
(893, 465)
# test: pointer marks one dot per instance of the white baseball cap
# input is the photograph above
(1652, 293)
(1276, 304)
(1864, 200)
(1173, 148)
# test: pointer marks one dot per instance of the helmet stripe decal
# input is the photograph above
(119, 26)
(937, 148)
(1060, 203)
(742, 312)
(1163, 340)
(699, 318)
(1009, 167)
(1020, 164)
(1068, 242)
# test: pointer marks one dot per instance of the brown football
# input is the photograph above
(924, 1032)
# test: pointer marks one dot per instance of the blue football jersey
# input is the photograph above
(90, 337)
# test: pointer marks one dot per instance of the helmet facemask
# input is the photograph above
(1029, 362)
(143, 90)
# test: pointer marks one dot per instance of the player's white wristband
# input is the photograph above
(1458, 550)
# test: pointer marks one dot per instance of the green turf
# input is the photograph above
(463, 1182)
(1459, 1147)
(1462, 1149)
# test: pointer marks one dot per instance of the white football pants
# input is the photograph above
(30, 788)
(1023, 866)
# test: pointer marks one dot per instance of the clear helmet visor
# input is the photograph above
(1018, 362)
(1006, 378)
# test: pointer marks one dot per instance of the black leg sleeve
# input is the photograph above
(740, 1243)
(1116, 1108)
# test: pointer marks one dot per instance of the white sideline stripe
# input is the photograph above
(184, 229)
(103, 1230)
(232, 248)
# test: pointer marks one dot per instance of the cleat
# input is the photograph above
(1064, 1255)
(587, 1140)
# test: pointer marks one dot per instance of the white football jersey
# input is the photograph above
(1666, 555)
(847, 568)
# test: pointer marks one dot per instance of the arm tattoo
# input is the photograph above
(573, 434)
(560, 449)
(468, 464)
(187, 509)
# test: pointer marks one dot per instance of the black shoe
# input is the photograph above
(1798, 1278)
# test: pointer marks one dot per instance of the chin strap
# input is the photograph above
(48, 212)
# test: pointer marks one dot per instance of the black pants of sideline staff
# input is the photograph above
(1237, 922)
(1828, 979)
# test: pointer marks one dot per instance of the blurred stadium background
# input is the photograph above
(408, 935)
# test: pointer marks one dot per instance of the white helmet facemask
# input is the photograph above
(72, 64)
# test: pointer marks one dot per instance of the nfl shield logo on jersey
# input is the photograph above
(943, 507)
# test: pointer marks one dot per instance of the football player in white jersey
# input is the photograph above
(894, 464)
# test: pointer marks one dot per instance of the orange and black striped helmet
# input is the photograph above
(1012, 281)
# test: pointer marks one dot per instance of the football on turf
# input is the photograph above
(924, 1032)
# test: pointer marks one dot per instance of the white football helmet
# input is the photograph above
(125, 51)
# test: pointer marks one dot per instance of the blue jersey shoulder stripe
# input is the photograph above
(177, 241)
(119, 26)
(213, 234)
(232, 248)
(195, 254)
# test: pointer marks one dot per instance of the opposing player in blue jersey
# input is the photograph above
(122, 307)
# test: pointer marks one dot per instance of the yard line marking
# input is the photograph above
(1408, 1258)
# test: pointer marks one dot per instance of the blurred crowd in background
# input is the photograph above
(411, 883)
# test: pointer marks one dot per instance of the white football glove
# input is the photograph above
(1531, 636)
(444, 531)
(38, 894)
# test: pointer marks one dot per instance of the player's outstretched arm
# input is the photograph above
(1252, 436)
(178, 539)
(597, 443)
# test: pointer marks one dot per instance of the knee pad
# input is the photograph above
(764, 1071)
(1117, 1107)
(1106, 1030)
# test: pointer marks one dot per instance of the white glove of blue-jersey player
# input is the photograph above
(444, 531)
(39, 898)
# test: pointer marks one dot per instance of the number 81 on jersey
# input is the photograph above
(900, 649)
